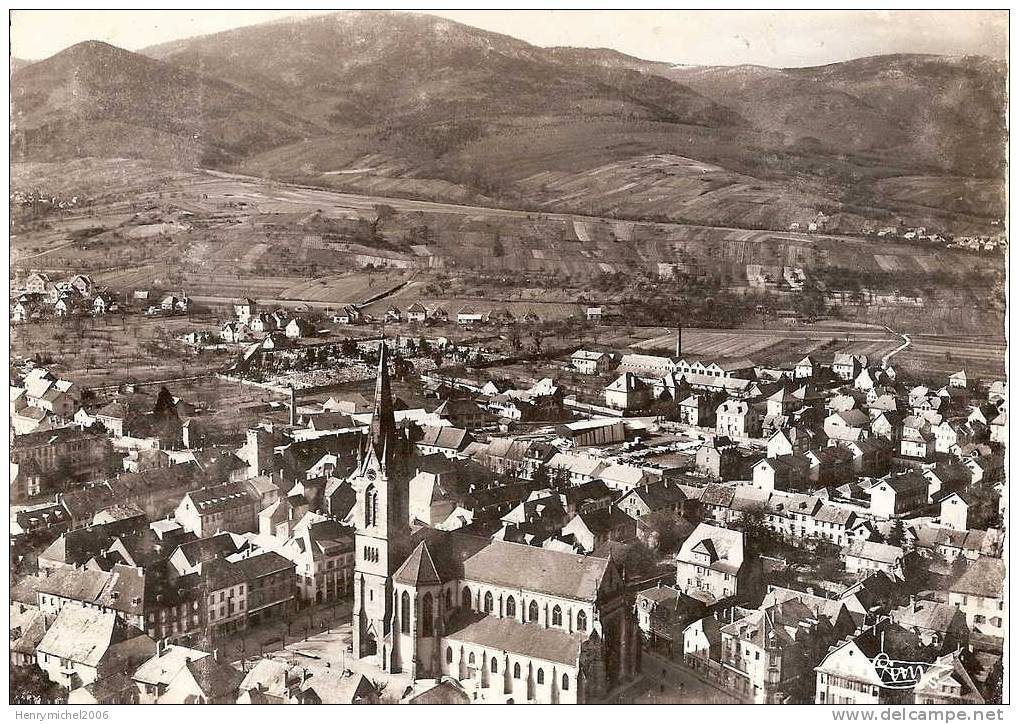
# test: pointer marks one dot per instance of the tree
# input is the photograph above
(164, 402)
(383, 213)
(637, 561)
(667, 532)
(897, 535)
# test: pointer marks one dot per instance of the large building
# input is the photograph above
(509, 621)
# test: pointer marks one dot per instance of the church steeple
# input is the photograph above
(383, 427)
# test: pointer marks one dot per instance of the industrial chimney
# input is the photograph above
(293, 406)
(679, 342)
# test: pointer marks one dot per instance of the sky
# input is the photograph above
(718, 37)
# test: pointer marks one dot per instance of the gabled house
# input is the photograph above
(417, 313)
(738, 420)
(628, 392)
(712, 561)
(299, 327)
(587, 362)
(898, 494)
(868, 557)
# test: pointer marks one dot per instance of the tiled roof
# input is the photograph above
(524, 639)
(982, 577)
(220, 497)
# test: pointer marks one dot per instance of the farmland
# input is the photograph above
(210, 229)
(109, 350)
(938, 356)
(776, 345)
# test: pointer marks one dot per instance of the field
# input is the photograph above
(209, 230)
(979, 356)
(776, 345)
(111, 350)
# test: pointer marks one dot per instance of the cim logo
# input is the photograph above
(902, 674)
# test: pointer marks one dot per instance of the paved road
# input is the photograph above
(666, 682)
(289, 632)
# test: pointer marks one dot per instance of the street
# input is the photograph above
(667, 682)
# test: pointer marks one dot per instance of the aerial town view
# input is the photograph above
(491, 357)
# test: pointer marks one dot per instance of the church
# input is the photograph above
(513, 623)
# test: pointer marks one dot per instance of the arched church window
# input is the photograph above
(465, 597)
(405, 613)
(557, 616)
(516, 671)
(541, 676)
(449, 654)
(371, 503)
(426, 615)
(582, 621)
(489, 602)
(566, 682)
(449, 598)
(495, 666)
(470, 659)
(532, 611)
(511, 606)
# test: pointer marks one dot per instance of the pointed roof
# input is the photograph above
(383, 425)
(418, 569)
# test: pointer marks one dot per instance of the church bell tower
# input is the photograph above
(381, 483)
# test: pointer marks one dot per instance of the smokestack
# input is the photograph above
(293, 405)
(679, 342)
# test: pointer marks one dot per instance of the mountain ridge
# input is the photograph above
(418, 105)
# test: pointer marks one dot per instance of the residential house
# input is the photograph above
(712, 561)
(868, 556)
(847, 366)
(417, 313)
(462, 413)
(203, 681)
(767, 654)
(786, 472)
(587, 362)
(898, 494)
(87, 644)
(718, 458)
(698, 409)
(227, 507)
(663, 612)
(245, 310)
(448, 441)
(852, 672)
(628, 392)
(154, 675)
(979, 594)
(299, 327)
(937, 624)
(738, 420)
(592, 529)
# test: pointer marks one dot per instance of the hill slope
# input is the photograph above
(940, 112)
(94, 99)
(400, 69)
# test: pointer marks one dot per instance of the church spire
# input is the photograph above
(383, 428)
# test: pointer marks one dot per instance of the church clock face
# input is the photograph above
(370, 475)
